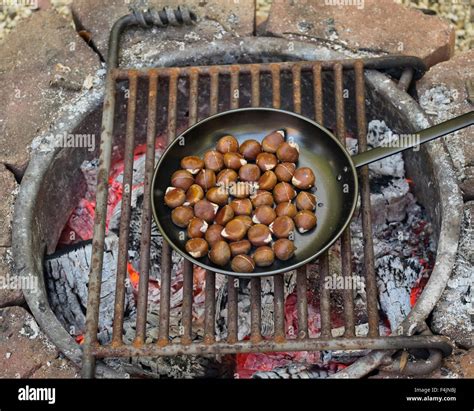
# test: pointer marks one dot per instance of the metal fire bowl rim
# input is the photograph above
(264, 272)
(28, 248)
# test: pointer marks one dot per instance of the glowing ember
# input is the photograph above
(133, 275)
(79, 339)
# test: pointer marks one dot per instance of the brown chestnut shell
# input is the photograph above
(283, 227)
(240, 247)
(266, 161)
(267, 180)
(284, 249)
(205, 210)
(234, 230)
(250, 149)
(288, 152)
(305, 201)
(194, 194)
(213, 160)
(197, 247)
(218, 195)
(192, 164)
(174, 197)
(262, 197)
(285, 171)
(224, 215)
(283, 192)
(264, 256)
(241, 206)
(227, 144)
(303, 178)
(249, 172)
(213, 234)
(264, 215)
(259, 234)
(182, 179)
(197, 228)
(234, 160)
(242, 263)
(286, 208)
(220, 253)
(206, 179)
(305, 221)
(271, 142)
(182, 215)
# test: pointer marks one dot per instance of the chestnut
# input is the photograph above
(282, 227)
(266, 161)
(286, 208)
(250, 149)
(284, 249)
(243, 189)
(285, 171)
(305, 201)
(213, 160)
(240, 247)
(234, 160)
(174, 197)
(305, 220)
(264, 215)
(194, 194)
(227, 144)
(224, 215)
(242, 264)
(182, 215)
(264, 256)
(271, 142)
(206, 179)
(197, 227)
(226, 177)
(288, 152)
(193, 164)
(249, 172)
(303, 178)
(217, 195)
(197, 247)
(267, 180)
(241, 206)
(234, 230)
(259, 234)
(262, 197)
(220, 253)
(246, 219)
(283, 192)
(182, 179)
(206, 210)
(213, 234)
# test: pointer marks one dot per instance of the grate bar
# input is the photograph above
(145, 239)
(369, 259)
(325, 296)
(255, 76)
(255, 309)
(210, 308)
(296, 71)
(346, 257)
(318, 93)
(302, 302)
(214, 103)
(232, 309)
(234, 87)
(279, 307)
(276, 87)
(122, 257)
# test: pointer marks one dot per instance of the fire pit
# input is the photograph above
(315, 86)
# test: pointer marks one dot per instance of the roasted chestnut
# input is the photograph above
(303, 178)
(213, 160)
(259, 235)
(250, 149)
(194, 194)
(182, 215)
(285, 171)
(246, 219)
(240, 247)
(264, 215)
(213, 234)
(206, 179)
(242, 264)
(206, 210)
(284, 249)
(193, 164)
(271, 142)
(283, 192)
(234, 230)
(234, 160)
(227, 144)
(305, 201)
(182, 179)
(197, 247)
(282, 227)
(224, 215)
(217, 195)
(267, 180)
(249, 172)
(197, 227)
(241, 206)
(266, 161)
(264, 256)
(286, 208)
(174, 197)
(262, 197)
(305, 220)
(243, 189)
(227, 177)
(220, 253)
(288, 152)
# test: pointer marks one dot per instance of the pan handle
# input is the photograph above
(416, 139)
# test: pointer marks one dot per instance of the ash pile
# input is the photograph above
(404, 258)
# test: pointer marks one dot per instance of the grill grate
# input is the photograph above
(279, 341)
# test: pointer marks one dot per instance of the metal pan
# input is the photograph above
(335, 170)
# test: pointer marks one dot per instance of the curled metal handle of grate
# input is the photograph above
(165, 17)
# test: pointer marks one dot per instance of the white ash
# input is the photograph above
(294, 371)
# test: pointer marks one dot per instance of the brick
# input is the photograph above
(10, 294)
(381, 26)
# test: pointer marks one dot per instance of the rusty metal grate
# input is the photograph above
(279, 341)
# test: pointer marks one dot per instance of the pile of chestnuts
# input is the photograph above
(241, 204)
